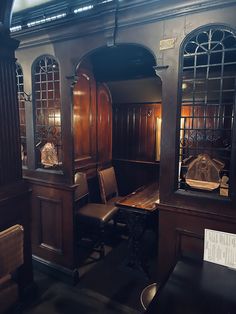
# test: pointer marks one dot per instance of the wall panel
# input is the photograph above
(84, 99)
(134, 131)
(50, 233)
(134, 144)
(181, 232)
(53, 234)
(104, 124)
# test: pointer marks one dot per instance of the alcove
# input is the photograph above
(117, 115)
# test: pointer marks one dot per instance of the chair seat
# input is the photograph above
(96, 213)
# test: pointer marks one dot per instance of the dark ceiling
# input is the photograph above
(122, 62)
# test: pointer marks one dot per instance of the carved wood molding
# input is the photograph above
(50, 226)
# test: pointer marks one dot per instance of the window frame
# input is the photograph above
(37, 159)
(232, 169)
(21, 107)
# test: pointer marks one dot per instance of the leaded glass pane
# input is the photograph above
(21, 103)
(208, 77)
(47, 112)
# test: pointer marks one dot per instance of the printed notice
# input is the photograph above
(220, 248)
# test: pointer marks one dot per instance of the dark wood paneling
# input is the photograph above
(15, 209)
(84, 100)
(14, 193)
(10, 161)
(133, 174)
(53, 235)
(51, 224)
(134, 131)
(181, 231)
(188, 242)
(134, 145)
(104, 124)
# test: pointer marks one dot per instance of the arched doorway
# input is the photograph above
(117, 99)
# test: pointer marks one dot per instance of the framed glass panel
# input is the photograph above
(21, 103)
(207, 106)
(46, 84)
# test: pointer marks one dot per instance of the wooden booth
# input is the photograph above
(97, 86)
(114, 119)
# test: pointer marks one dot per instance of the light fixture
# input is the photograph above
(184, 86)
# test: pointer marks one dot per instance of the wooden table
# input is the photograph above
(143, 200)
(196, 287)
(137, 208)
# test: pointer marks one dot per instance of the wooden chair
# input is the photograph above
(11, 258)
(91, 217)
(108, 186)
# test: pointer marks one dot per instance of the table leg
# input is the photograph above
(136, 223)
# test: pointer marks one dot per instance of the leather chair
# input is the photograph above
(108, 186)
(91, 217)
(11, 258)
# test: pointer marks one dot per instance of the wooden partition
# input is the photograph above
(181, 232)
(14, 193)
(84, 98)
(92, 126)
(135, 143)
(104, 125)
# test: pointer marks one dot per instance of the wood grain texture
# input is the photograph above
(53, 223)
(104, 124)
(10, 161)
(84, 99)
(134, 127)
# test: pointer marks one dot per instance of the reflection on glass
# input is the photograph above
(207, 102)
(47, 112)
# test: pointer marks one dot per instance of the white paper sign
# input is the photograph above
(220, 248)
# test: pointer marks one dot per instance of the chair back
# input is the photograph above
(82, 188)
(11, 249)
(107, 184)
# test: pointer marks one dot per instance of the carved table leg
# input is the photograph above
(136, 223)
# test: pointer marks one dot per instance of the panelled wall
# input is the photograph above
(104, 125)
(53, 228)
(53, 225)
(92, 122)
(182, 216)
(84, 119)
(136, 144)
(14, 193)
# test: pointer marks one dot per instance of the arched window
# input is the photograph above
(46, 93)
(21, 102)
(207, 108)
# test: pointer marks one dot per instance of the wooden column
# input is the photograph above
(14, 193)
(10, 161)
